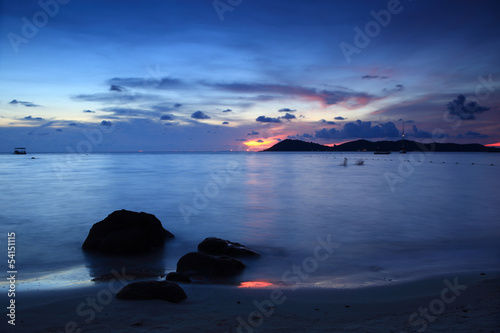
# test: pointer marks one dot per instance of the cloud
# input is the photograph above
(88, 111)
(123, 98)
(260, 140)
(397, 88)
(264, 119)
(199, 115)
(227, 110)
(225, 123)
(253, 133)
(240, 140)
(359, 129)
(167, 117)
(339, 118)
(30, 118)
(466, 111)
(288, 116)
(177, 105)
(326, 97)
(73, 124)
(374, 77)
(27, 104)
(146, 83)
(129, 112)
(324, 121)
(106, 123)
(473, 135)
(286, 110)
(115, 87)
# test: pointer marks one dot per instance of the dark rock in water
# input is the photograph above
(196, 263)
(168, 291)
(177, 277)
(218, 246)
(126, 232)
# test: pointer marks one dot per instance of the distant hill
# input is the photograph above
(365, 145)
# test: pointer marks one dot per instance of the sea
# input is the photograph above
(323, 219)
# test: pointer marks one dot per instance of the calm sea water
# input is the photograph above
(395, 218)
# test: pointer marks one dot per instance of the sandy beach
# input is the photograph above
(456, 303)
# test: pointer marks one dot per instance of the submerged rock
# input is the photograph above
(165, 290)
(196, 263)
(126, 232)
(218, 246)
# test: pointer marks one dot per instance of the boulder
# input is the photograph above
(168, 291)
(177, 277)
(201, 264)
(218, 246)
(126, 232)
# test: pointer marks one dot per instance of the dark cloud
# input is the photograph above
(225, 123)
(326, 97)
(253, 133)
(167, 117)
(129, 112)
(303, 137)
(115, 87)
(359, 129)
(240, 140)
(125, 97)
(339, 118)
(288, 116)
(199, 115)
(27, 104)
(397, 88)
(227, 110)
(286, 110)
(177, 105)
(466, 111)
(324, 121)
(59, 130)
(260, 140)
(154, 83)
(106, 123)
(73, 124)
(421, 134)
(264, 119)
(374, 77)
(88, 111)
(30, 118)
(473, 135)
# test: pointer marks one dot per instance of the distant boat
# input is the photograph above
(403, 150)
(382, 152)
(20, 151)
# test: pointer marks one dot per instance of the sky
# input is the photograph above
(203, 75)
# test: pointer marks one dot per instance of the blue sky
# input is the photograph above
(124, 75)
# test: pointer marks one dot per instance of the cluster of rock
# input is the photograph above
(126, 233)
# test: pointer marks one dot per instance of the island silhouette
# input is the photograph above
(365, 145)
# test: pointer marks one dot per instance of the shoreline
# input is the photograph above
(455, 302)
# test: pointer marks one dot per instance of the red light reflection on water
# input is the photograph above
(255, 284)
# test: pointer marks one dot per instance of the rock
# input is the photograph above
(196, 263)
(126, 232)
(218, 246)
(168, 291)
(177, 277)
